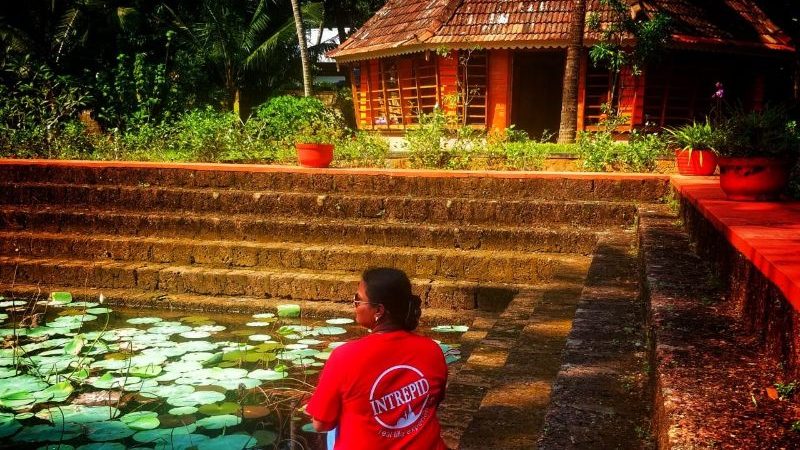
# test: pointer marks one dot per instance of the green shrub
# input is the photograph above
(598, 150)
(642, 151)
(283, 117)
(437, 143)
(203, 135)
(363, 149)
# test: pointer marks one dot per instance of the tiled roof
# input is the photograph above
(404, 26)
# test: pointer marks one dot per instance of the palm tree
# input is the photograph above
(301, 39)
(244, 39)
(569, 95)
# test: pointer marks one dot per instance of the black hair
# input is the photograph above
(392, 289)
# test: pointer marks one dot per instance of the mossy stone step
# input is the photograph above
(468, 265)
(497, 185)
(301, 204)
(254, 228)
(304, 284)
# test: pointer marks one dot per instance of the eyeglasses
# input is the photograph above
(357, 302)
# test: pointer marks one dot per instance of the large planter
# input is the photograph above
(314, 155)
(753, 178)
(696, 162)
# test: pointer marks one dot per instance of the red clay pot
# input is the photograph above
(696, 162)
(753, 179)
(314, 155)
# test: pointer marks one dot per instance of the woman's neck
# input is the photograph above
(386, 327)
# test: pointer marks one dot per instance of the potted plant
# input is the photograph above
(695, 154)
(757, 150)
(315, 143)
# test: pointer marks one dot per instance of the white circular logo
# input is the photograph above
(398, 396)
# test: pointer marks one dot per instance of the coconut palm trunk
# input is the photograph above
(301, 40)
(569, 95)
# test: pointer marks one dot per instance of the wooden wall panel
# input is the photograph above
(448, 82)
(499, 101)
(629, 97)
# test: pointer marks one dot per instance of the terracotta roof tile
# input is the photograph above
(404, 26)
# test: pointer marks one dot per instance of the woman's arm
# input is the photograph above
(321, 426)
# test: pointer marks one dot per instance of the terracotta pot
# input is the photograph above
(314, 155)
(753, 178)
(696, 162)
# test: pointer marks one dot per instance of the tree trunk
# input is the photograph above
(301, 40)
(569, 95)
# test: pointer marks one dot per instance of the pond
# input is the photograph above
(83, 375)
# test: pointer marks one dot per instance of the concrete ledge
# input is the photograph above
(755, 248)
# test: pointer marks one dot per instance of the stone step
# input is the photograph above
(395, 208)
(574, 186)
(294, 284)
(254, 228)
(467, 265)
(140, 299)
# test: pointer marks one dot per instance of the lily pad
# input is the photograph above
(163, 434)
(183, 410)
(289, 310)
(98, 311)
(339, 321)
(196, 398)
(9, 427)
(48, 433)
(102, 446)
(108, 431)
(258, 324)
(267, 375)
(182, 442)
(143, 320)
(450, 328)
(195, 334)
(61, 297)
(56, 447)
(227, 442)
(219, 422)
(263, 316)
(79, 414)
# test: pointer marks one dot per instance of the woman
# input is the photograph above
(381, 391)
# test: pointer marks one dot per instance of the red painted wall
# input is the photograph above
(499, 90)
(448, 81)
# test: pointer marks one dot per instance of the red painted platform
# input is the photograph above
(766, 233)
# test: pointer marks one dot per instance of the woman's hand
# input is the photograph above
(321, 426)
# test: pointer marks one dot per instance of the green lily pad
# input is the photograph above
(146, 371)
(183, 410)
(340, 321)
(216, 409)
(248, 383)
(265, 438)
(143, 320)
(141, 420)
(56, 447)
(227, 442)
(289, 310)
(79, 414)
(260, 337)
(182, 442)
(267, 375)
(258, 324)
(163, 434)
(195, 334)
(108, 431)
(48, 433)
(219, 422)
(196, 398)
(98, 311)
(329, 331)
(102, 446)
(9, 427)
(450, 329)
(61, 297)
(263, 316)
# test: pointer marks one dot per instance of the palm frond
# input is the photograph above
(65, 30)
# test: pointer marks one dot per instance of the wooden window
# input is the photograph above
(391, 93)
(472, 87)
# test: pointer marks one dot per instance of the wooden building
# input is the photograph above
(499, 62)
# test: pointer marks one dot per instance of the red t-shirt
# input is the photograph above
(382, 392)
